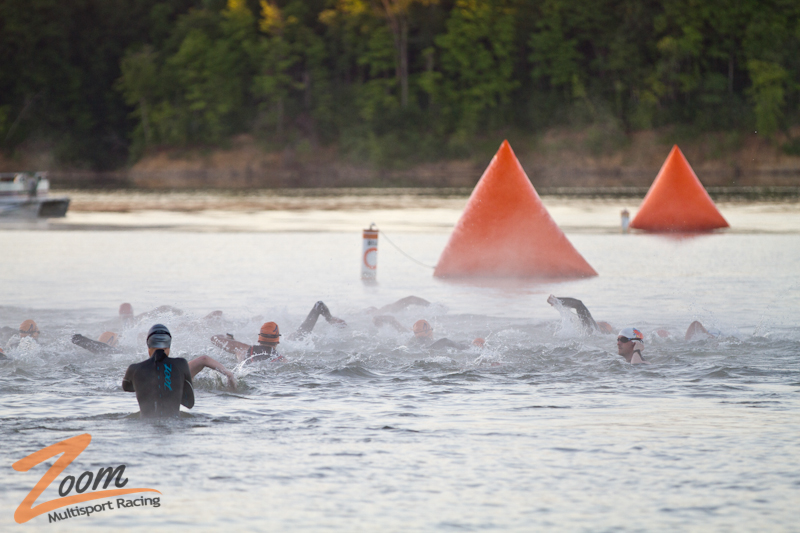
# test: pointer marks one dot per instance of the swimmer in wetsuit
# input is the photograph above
(27, 330)
(161, 383)
(106, 344)
(269, 337)
(265, 350)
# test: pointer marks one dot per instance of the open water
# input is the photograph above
(546, 428)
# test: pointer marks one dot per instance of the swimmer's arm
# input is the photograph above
(221, 341)
(160, 311)
(127, 381)
(636, 359)
(577, 305)
(403, 303)
(386, 320)
(96, 347)
(187, 398)
(199, 363)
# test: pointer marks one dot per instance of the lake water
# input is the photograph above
(360, 430)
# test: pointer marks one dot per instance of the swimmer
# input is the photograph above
(423, 333)
(265, 350)
(106, 344)
(2, 355)
(162, 384)
(630, 345)
(269, 337)
(28, 329)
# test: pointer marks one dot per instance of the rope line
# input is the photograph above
(405, 254)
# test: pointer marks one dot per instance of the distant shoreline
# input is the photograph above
(328, 199)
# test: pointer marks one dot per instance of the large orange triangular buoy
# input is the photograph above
(677, 200)
(505, 231)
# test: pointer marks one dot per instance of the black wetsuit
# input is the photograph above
(584, 314)
(447, 343)
(441, 343)
(162, 384)
(261, 352)
(93, 346)
(311, 320)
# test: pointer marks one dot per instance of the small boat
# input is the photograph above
(25, 195)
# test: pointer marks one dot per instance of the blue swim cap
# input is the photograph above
(159, 337)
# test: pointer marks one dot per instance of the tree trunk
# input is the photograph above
(145, 124)
(730, 74)
(399, 26)
(403, 61)
(279, 116)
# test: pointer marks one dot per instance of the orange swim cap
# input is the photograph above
(28, 327)
(479, 342)
(421, 328)
(269, 334)
(126, 309)
(110, 338)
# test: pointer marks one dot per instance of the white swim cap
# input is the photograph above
(631, 333)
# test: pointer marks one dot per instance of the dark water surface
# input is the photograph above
(360, 430)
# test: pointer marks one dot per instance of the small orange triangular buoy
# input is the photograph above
(505, 231)
(677, 201)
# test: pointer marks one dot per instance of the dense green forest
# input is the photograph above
(103, 81)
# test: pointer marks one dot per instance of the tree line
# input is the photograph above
(102, 81)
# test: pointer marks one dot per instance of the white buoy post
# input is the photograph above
(369, 256)
(626, 220)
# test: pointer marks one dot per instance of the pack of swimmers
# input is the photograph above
(163, 383)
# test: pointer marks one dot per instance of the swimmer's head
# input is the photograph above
(29, 329)
(126, 310)
(159, 337)
(479, 342)
(269, 334)
(110, 338)
(626, 342)
(421, 328)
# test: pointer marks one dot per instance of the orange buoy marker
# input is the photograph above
(505, 231)
(677, 201)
